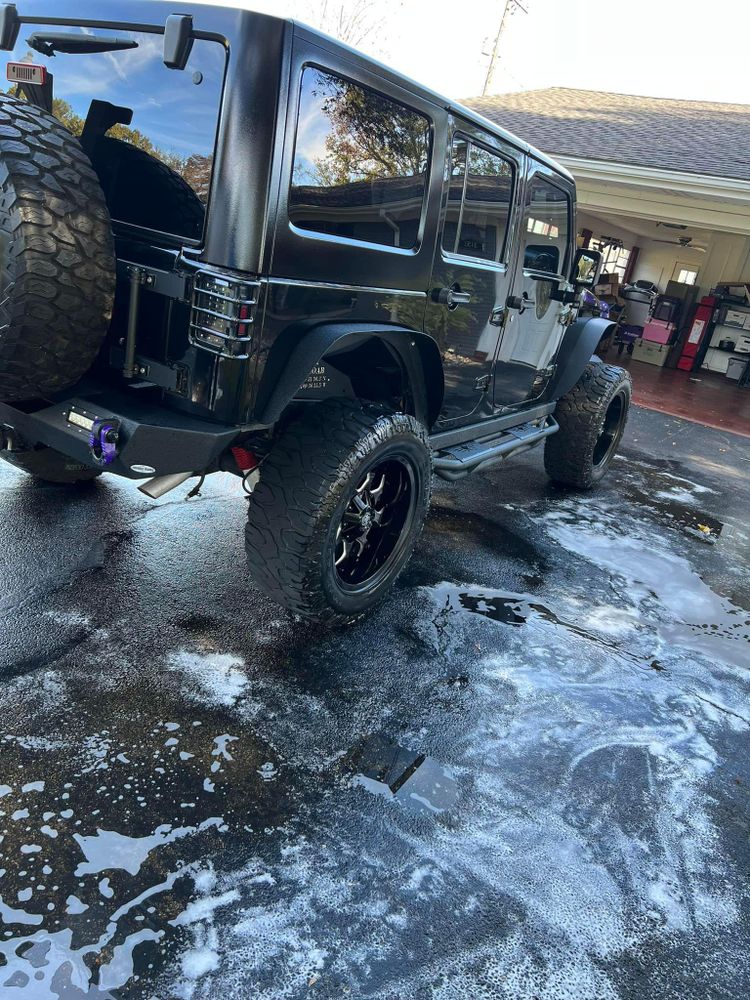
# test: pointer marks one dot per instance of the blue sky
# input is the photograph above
(175, 113)
(312, 130)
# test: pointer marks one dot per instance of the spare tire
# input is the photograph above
(57, 257)
(144, 191)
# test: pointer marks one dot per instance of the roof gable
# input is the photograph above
(698, 137)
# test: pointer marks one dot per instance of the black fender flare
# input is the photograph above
(578, 345)
(286, 369)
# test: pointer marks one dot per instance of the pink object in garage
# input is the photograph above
(658, 331)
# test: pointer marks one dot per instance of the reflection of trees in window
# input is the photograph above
(369, 137)
(360, 163)
(195, 170)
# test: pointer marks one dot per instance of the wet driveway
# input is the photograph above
(526, 777)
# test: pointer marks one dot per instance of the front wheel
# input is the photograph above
(340, 504)
(592, 418)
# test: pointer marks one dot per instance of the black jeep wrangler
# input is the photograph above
(228, 242)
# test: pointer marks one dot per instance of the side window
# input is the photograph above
(547, 221)
(360, 163)
(480, 192)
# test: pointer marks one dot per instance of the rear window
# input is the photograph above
(155, 162)
(360, 163)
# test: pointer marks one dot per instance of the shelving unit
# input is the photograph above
(737, 329)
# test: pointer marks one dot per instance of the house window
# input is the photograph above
(685, 275)
(479, 199)
(360, 163)
(615, 258)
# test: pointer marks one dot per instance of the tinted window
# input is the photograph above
(478, 226)
(156, 168)
(360, 163)
(547, 215)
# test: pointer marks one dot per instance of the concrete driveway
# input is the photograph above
(526, 777)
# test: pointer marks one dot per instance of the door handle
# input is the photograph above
(497, 316)
(519, 302)
(451, 296)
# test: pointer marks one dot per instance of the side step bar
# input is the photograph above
(461, 459)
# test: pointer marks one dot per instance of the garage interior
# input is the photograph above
(692, 359)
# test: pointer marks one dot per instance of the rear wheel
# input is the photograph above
(592, 418)
(339, 507)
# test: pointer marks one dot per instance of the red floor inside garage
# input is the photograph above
(703, 397)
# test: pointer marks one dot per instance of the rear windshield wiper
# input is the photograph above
(49, 42)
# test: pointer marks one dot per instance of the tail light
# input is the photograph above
(222, 314)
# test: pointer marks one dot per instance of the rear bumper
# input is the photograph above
(150, 440)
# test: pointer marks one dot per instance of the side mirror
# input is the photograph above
(587, 266)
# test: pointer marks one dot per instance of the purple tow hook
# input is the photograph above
(103, 442)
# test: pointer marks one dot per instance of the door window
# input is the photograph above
(480, 192)
(360, 163)
(547, 225)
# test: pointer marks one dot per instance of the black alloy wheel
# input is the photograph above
(612, 429)
(374, 526)
(592, 419)
(339, 507)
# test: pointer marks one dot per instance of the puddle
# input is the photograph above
(520, 609)
(662, 585)
(414, 780)
(103, 863)
(671, 499)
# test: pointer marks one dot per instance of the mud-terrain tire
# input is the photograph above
(307, 510)
(50, 466)
(57, 257)
(143, 191)
(592, 418)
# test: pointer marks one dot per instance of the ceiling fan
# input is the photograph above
(605, 242)
(683, 241)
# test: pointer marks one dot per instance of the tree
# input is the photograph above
(367, 140)
(360, 23)
(352, 22)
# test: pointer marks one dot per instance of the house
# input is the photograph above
(670, 178)
(664, 191)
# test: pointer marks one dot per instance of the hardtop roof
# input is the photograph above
(393, 76)
(454, 107)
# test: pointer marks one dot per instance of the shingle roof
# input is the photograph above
(698, 137)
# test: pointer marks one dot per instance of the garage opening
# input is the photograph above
(686, 339)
